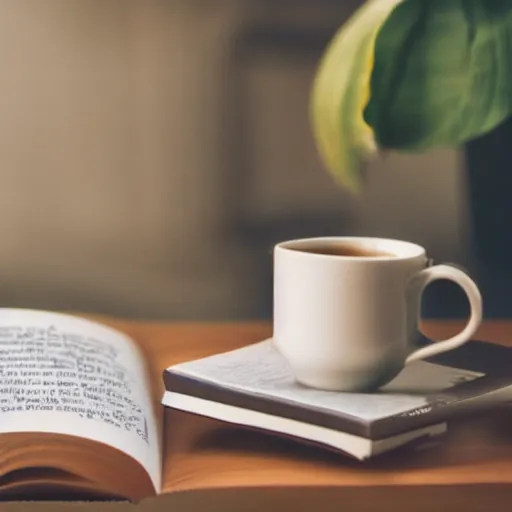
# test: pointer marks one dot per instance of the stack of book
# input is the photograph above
(254, 387)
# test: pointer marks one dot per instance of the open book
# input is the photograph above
(254, 387)
(77, 415)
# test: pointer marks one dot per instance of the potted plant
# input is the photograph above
(413, 75)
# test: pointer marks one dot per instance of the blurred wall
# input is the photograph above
(148, 148)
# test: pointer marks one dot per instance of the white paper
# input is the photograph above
(260, 370)
(67, 375)
(360, 447)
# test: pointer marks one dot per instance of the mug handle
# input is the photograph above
(420, 282)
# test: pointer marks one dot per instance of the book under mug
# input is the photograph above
(254, 387)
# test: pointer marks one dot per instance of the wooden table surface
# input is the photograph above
(472, 464)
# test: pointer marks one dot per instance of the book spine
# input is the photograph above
(464, 399)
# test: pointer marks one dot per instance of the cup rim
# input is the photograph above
(400, 249)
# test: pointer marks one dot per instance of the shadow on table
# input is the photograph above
(475, 440)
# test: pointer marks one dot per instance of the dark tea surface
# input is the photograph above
(342, 249)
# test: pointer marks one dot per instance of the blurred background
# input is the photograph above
(153, 151)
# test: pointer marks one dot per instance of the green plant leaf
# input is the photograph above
(442, 73)
(341, 91)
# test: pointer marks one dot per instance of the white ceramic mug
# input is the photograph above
(350, 322)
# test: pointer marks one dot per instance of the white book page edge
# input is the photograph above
(359, 447)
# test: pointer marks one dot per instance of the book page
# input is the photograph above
(259, 369)
(68, 375)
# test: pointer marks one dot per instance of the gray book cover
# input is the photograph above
(425, 393)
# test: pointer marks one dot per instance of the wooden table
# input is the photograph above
(211, 466)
